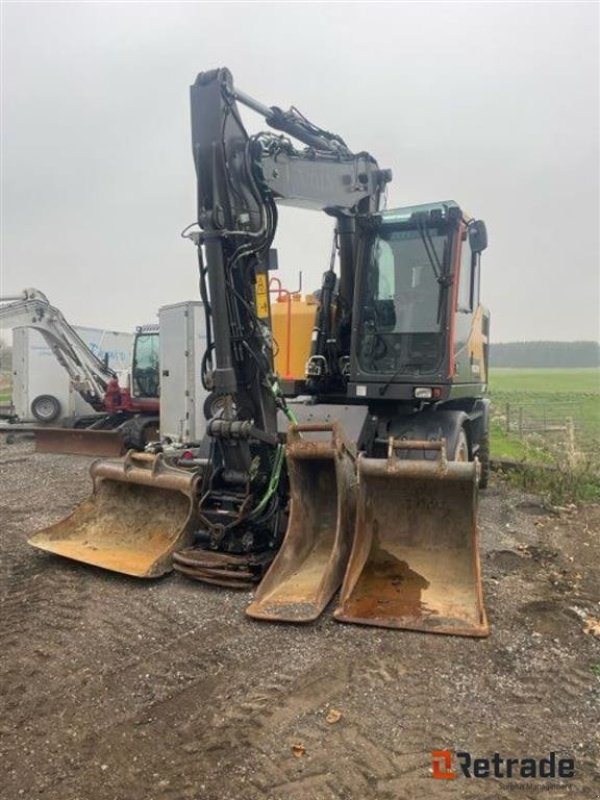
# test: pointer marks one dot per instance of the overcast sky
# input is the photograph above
(494, 105)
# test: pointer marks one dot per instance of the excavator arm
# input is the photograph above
(89, 375)
(241, 177)
(240, 181)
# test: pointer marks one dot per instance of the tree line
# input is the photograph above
(545, 354)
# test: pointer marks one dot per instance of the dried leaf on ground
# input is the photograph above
(333, 716)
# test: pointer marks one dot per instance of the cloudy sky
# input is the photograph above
(492, 104)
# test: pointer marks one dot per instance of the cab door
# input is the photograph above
(470, 318)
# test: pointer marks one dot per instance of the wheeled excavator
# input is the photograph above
(362, 474)
(131, 411)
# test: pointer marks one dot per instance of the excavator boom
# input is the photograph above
(89, 375)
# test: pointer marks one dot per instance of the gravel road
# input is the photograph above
(117, 689)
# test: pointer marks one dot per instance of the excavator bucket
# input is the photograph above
(415, 559)
(309, 567)
(74, 441)
(141, 510)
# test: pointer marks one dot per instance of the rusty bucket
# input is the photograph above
(415, 558)
(141, 510)
(309, 567)
(75, 441)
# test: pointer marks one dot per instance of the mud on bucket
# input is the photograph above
(415, 560)
(141, 510)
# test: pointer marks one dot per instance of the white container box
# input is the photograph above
(37, 372)
(182, 396)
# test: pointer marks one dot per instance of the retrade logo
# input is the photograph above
(442, 766)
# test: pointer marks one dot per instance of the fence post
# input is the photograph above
(571, 454)
(520, 422)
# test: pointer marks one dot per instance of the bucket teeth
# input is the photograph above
(415, 560)
(310, 565)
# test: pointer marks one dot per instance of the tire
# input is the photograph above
(212, 405)
(461, 451)
(483, 454)
(46, 408)
(139, 431)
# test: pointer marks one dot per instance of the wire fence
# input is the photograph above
(570, 427)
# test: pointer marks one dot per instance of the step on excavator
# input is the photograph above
(362, 473)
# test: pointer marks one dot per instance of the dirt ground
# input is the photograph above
(119, 689)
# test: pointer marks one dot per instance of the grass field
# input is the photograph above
(545, 401)
(553, 395)
(527, 382)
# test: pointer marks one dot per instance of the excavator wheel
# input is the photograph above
(461, 451)
(483, 455)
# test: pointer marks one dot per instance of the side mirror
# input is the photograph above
(477, 236)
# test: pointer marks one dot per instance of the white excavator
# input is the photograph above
(129, 411)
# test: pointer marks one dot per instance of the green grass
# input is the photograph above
(505, 446)
(554, 396)
(568, 382)
(5, 387)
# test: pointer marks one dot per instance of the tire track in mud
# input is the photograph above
(46, 609)
(213, 727)
(340, 761)
(165, 691)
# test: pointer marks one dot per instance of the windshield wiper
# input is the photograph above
(441, 275)
(430, 250)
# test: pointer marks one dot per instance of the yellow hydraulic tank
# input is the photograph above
(293, 320)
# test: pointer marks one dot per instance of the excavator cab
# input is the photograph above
(145, 367)
(418, 328)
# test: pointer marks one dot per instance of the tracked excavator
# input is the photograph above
(129, 412)
(362, 474)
